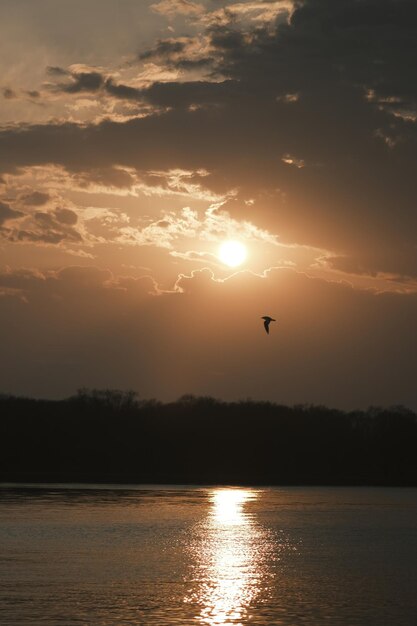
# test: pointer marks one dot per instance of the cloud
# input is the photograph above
(47, 227)
(124, 92)
(7, 213)
(184, 54)
(107, 178)
(177, 229)
(354, 194)
(74, 279)
(257, 13)
(35, 198)
(170, 8)
(56, 71)
(194, 255)
(8, 93)
(165, 48)
(401, 267)
(179, 181)
(197, 281)
(66, 216)
(79, 81)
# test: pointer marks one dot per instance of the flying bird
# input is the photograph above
(267, 321)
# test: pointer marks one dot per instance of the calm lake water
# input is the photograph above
(208, 556)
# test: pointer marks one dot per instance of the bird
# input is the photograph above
(267, 321)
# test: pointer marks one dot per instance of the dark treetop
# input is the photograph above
(112, 436)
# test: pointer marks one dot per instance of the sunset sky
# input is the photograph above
(138, 136)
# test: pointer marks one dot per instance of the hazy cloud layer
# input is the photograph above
(330, 344)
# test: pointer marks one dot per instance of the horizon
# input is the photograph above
(103, 395)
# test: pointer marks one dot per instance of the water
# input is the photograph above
(208, 556)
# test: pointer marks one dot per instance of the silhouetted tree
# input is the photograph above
(112, 435)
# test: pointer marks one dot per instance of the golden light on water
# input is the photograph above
(231, 560)
(232, 253)
(230, 555)
(228, 506)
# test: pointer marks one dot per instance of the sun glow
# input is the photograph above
(232, 253)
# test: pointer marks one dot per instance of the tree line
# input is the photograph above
(114, 436)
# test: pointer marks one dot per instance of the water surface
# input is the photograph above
(208, 556)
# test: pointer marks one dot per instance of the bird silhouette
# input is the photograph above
(267, 321)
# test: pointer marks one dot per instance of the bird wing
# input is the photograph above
(266, 324)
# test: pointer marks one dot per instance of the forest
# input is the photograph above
(111, 436)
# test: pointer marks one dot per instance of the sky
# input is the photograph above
(138, 136)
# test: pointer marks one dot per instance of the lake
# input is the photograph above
(162, 555)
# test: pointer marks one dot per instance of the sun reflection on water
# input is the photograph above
(228, 506)
(230, 555)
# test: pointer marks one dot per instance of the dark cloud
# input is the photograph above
(107, 177)
(201, 63)
(227, 39)
(184, 53)
(72, 280)
(164, 48)
(56, 71)
(9, 94)
(184, 94)
(125, 92)
(177, 95)
(66, 216)
(46, 227)
(83, 81)
(7, 213)
(77, 82)
(372, 263)
(91, 82)
(35, 198)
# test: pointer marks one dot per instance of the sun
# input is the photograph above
(232, 253)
